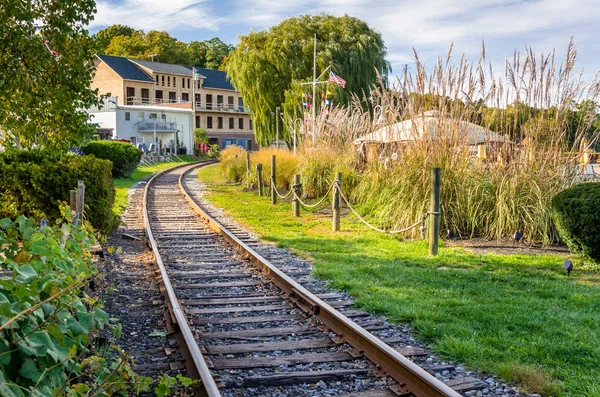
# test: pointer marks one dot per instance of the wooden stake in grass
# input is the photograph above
(435, 211)
(273, 180)
(296, 202)
(261, 183)
(73, 201)
(247, 170)
(335, 203)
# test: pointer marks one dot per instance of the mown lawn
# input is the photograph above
(122, 185)
(517, 316)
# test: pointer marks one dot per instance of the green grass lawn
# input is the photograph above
(517, 316)
(122, 185)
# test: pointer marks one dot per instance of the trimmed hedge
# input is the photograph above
(576, 213)
(34, 183)
(124, 156)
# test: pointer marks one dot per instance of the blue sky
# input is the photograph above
(429, 26)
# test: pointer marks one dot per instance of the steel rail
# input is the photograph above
(200, 368)
(410, 377)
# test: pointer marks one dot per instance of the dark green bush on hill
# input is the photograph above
(124, 156)
(576, 213)
(34, 183)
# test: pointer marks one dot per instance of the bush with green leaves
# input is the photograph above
(576, 213)
(35, 182)
(124, 156)
(233, 163)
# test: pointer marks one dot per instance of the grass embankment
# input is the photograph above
(122, 185)
(517, 316)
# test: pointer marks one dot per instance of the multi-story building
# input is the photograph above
(216, 106)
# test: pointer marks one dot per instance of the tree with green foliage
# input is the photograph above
(123, 41)
(46, 64)
(105, 36)
(267, 66)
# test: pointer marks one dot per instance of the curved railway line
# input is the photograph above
(246, 325)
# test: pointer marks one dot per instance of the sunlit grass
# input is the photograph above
(517, 316)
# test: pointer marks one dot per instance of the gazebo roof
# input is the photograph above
(431, 126)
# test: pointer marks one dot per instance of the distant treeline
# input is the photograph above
(124, 41)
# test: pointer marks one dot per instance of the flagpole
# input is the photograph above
(314, 88)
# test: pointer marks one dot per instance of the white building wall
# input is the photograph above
(125, 121)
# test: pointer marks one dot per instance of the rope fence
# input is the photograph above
(434, 213)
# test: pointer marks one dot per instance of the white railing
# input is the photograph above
(158, 126)
(221, 107)
(153, 101)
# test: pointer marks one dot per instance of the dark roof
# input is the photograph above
(215, 79)
(125, 69)
(164, 67)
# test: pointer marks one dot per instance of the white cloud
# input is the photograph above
(156, 15)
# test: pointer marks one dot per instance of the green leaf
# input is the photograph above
(25, 273)
(86, 320)
(29, 370)
(5, 223)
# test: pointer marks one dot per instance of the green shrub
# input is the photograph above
(576, 213)
(124, 156)
(34, 183)
(48, 324)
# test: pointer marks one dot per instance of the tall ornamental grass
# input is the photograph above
(510, 190)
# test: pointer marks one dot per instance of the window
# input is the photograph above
(168, 81)
(158, 96)
(197, 121)
(219, 101)
(250, 123)
(209, 101)
(172, 97)
(152, 116)
(174, 81)
(213, 141)
(220, 123)
(209, 122)
(185, 97)
(240, 104)
(230, 102)
(188, 84)
(163, 116)
(197, 99)
(231, 123)
(183, 82)
(130, 95)
(241, 123)
(127, 116)
(157, 78)
(163, 80)
(145, 95)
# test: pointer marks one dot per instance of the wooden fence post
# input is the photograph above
(335, 203)
(73, 201)
(435, 211)
(261, 183)
(248, 170)
(296, 202)
(273, 180)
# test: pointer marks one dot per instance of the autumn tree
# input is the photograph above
(267, 66)
(46, 69)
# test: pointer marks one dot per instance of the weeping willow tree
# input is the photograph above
(268, 67)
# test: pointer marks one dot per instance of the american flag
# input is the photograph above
(334, 78)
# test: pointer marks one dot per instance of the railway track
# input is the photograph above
(245, 323)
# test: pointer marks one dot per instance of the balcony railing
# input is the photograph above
(163, 126)
(221, 107)
(153, 101)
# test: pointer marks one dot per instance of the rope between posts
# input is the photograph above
(363, 220)
(315, 204)
(277, 192)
